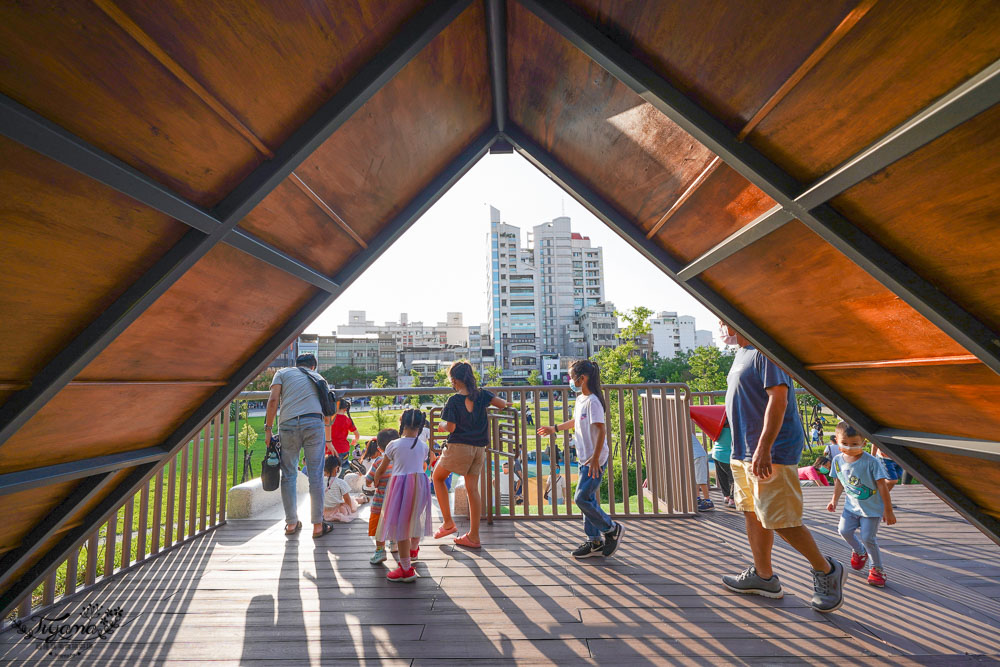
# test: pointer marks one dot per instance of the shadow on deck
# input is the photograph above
(245, 593)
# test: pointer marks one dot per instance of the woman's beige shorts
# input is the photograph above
(463, 459)
(776, 502)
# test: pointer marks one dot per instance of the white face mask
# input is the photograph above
(576, 388)
(729, 340)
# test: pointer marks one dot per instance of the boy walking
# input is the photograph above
(862, 478)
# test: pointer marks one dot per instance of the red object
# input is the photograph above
(711, 419)
(876, 577)
(808, 472)
(341, 426)
(858, 561)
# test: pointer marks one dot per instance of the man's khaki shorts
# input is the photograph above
(777, 502)
(463, 459)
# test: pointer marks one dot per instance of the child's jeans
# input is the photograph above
(596, 522)
(850, 522)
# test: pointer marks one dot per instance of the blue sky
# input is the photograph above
(439, 264)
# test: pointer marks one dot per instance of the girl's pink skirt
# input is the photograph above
(406, 511)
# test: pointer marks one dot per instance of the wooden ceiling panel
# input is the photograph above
(71, 247)
(22, 511)
(975, 477)
(290, 221)
(962, 400)
(86, 421)
(897, 60)
(271, 63)
(409, 131)
(622, 147)
(723, 204)
(207, 324)
(819, 305)
(938, 210)
(95, 80)
(729, 55)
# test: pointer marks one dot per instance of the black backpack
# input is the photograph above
(270, 467)
(327, 397)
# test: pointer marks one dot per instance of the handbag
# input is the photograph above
(270, 467)
(327, 397)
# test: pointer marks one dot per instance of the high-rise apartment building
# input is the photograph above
(538, 293)
(673, 334)
(370, 353)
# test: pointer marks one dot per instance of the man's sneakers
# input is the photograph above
(828, 589)
(588, 549)
(377, 557)
(876, 577)
(858, 560)
(612, 539)
(401, 575)
(749, 582)
(704, 505)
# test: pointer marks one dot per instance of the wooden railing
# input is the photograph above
(184, 499)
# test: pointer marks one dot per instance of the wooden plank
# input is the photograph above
(127, 532)
(224, 474)
(52, 286)
(206, 445)
(72, 566)
(142, 532)
(976, 478)
(92, 546)
(193, 456)
(798, 267)
(215, 482)
(182, 479)
(429, 103)
(157, 511)
(621, 146)
(817, 126)
(110, 545)
(25, 509)
(936, 210)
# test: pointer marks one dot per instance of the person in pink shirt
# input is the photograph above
(816, 473)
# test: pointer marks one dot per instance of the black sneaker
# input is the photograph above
(588, 549)
(612, 539)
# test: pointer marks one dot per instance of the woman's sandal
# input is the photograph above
(441, 532)
(327, 528)
(465, 541)
(294, 529)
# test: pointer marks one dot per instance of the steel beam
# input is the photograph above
(988, 450)
(22, 480)
(15, 559)
(250, 369)
(255, 247)
(763, 225)
(778, 184)
(413, 37)
(629, 231)
(496, 32)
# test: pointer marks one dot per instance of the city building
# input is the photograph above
(409, 334)
(600, 327)
(537, 293)
(371, 353)
(673, 334)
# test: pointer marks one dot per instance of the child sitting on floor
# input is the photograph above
(867, 500)
(815, 475)
(338, 504)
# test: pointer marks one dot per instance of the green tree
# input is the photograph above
(441, 380)
(346, 376)
(380, 402)
(674, 369)
(709, 367)
(263, 381)
(624, 364)
(415, 399)
(494, 376)
(534, 378)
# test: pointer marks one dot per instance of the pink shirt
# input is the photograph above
(808, 472)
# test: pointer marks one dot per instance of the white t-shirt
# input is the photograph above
(335, 490)
(587, 412)
(407, 455)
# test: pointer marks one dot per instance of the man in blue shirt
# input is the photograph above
(767, 445)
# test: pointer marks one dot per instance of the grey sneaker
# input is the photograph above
(749, 582)
(828, 589)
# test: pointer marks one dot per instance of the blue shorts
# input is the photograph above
(892, 469)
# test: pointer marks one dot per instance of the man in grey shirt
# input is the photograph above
(302, 427)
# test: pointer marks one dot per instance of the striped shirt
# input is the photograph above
(380, 490)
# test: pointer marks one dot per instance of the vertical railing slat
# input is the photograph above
(609, 442)
(182, 474)
(72, 570)
(92, 545)
(192, 525)
(553, 454)
(154, 547)
(49, 589)
(567, 456)
(539, 503)
(213, 507)
(203, 505)
(623, 449)
(127, 532)
(110, 544)
(225, 453)
(142, 534)
(24, 606)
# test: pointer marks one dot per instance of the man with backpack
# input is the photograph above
(302, 426)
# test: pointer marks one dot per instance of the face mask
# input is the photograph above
(576, 388)
(851, 451)
(825, 471)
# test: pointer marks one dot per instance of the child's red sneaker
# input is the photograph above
(858, 560)
(876, 577)
(414, 553)
(399, 574)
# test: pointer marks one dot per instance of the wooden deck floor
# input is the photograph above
(246, 594)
